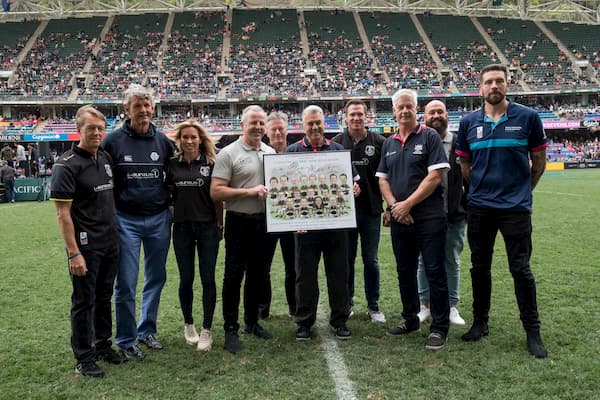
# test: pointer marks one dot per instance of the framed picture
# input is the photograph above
(309, 191)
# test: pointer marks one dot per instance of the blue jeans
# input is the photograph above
(515, 227)
(408, 241)
(369, 229)
(154, 233)
(455, 241)
(187, 238)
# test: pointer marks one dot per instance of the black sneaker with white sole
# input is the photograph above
(133, 353)
(403, 328)
(151, 342)
(303, 333)
(436, 341)
(342, 332)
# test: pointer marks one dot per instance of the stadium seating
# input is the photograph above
(128, 55)
(193, 57)
(582, 40)
(400, 50)
(337, 51)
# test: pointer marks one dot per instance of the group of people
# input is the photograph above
(117, 193)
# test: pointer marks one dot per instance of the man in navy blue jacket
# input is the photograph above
(140, 152)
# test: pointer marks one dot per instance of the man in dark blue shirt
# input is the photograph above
(140, 152)
(410, 176)
(332, 243)
(496, 144)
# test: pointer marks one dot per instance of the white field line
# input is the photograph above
(344, 388)
(559, 193)
(11, 206)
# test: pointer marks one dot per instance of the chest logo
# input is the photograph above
(418, 149)
(370, 150)
(154, 156)
(108, 170)
(128, 158)
(204, 171)
(479, 132)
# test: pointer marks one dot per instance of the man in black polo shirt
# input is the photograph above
(82, 189)
(332, 243)
(366, 153)
(410, 176)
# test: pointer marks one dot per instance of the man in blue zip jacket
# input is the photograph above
(140, 151)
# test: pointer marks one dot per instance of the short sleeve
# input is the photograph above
(382, 168)
(537, 136)
(62, 183)
(223, 166)
(462, 146)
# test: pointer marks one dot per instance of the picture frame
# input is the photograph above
(309, 191)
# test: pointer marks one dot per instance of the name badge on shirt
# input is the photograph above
(479, 132)
(83, 238)
(418, 149)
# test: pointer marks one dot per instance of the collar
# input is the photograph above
(181, 159)
(361, 139)
(85, 153)
(247, 147)
(127, 126)
(306, 143)
(509, 111)
(417, 131)
(448, 137)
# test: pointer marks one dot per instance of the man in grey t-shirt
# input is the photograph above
(238, 180)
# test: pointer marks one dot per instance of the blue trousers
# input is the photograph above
(154, 233)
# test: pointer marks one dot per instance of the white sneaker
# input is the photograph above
(191, 336)
(424, 313)
(376, 316)
(455, 318)
(205, 341)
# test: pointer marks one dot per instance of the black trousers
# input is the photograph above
(246, 239)
(287, 245)
(333, 244)
(515, 227)
(91, 312)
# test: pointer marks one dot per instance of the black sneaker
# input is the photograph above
(258, 331)
(89, 368)
(151, 342)
(477, 331)
(535, 346)
(342, 332)
(133, 353)
(303, 333)
(232, 342)
(111, 356)
(436, 341)
(403, 329)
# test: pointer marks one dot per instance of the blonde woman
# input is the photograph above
(197, 224)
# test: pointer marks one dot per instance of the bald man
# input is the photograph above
(436, 117)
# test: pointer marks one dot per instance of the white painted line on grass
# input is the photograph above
(11, 206)
(344, 388)
(560, 193)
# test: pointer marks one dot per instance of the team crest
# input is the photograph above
(370, 150)
(108, 170)
(205, 171)
(479, 132)
(418, 149)
(154, 156)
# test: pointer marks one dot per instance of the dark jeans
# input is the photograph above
(9, 189)
(187, 238)
(287, 245)
(515, 227)
(91, 315)
(369, 229)
(427, 238)
(246, 239)
(333, 244)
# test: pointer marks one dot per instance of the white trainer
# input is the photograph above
(191, 336)
(376, 316)
(455, 318)
(424, 313)
(206, 340)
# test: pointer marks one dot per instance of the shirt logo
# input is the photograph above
(418, 149)
(204, 171)
(154, 156)
(512, 128)
(479, 132)
(108, 170)
(390, 153)
(128, 158)
(370, 150)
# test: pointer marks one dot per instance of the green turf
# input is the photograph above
(36, 361)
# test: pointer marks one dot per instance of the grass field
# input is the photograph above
(36, 361)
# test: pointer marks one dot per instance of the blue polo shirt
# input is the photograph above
(499, 154)
(406, 164)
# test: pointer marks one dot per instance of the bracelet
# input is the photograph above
(389, 208)
(74, 255)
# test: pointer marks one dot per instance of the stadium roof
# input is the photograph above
(585, 11)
